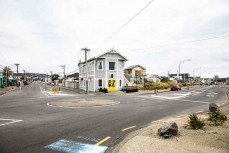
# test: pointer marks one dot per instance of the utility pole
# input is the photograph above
(63, 66)
(85, 51)
(51, 76)
(24, 75)
(17, 72)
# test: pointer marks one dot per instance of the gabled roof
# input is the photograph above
(76, 75)
(133, 66)
(100, 56)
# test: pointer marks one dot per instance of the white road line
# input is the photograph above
(11, 121)
(182, 95)
(42, 91)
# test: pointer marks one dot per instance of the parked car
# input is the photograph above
(175, 88)
(25, 83)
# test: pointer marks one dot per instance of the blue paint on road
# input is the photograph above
(76, 147)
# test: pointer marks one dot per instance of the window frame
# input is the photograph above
(109, 66)
(99, 82)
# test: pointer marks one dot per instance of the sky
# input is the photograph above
(41, 35)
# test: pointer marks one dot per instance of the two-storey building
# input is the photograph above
(135, 74)
(103, 71)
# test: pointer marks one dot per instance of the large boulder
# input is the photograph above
(168, 130)
(213, 107)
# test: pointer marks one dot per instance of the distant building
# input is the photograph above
(135, 74)
(72, 81)
(184, 77)
(104, 71)
(153, 78)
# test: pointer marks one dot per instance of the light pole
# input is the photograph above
(180, 64)
(194, 73)
(17, 72)
(63, 66)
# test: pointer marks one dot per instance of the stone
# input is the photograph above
(168, 130)
(213, 107)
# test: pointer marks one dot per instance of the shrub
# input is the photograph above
(195, 122)
(217, 117)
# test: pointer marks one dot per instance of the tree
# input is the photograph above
(165, 79)
(6, 73)
(54, 77)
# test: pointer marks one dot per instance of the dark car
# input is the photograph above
(175, 88)
(25, 83)
(124, 88)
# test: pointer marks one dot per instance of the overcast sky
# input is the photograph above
(43, 34)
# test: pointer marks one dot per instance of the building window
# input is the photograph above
(120, 83)
(100, 65)
(111, 65)
(100, 83)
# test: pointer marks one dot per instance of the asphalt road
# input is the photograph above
(28, 125)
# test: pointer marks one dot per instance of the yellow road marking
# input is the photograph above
(102, 141)
(157, 121)
(181, 115)
(131, 127)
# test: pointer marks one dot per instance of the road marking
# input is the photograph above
(118, 102)
(75, 147)
(181, 115)
(156, 121)
(131, 127)
(199, 112)
(102, 141)
(182, 95)
(88, 138)
(11, 121)
(42, 91)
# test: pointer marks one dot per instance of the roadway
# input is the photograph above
(28, 124)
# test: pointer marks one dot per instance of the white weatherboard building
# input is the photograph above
(104, 71)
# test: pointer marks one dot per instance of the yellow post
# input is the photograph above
(54, 90)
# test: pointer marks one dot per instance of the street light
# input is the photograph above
(180, 64)
(194, 72)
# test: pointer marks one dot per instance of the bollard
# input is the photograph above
(59, 88)
(155, 91)
(188, 88)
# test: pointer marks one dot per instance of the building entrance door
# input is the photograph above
(111, 85)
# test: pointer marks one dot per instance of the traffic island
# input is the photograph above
(208, 139)
(82, 103)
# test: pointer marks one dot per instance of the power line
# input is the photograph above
(119, 29)
(181, 43)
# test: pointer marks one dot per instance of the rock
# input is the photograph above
(213, 107)
(168, 130)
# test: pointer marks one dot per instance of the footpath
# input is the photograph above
(6, 90)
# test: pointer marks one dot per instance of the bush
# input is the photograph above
(195, 122)
(217, 117)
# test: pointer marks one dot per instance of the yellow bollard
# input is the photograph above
(54, 90)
